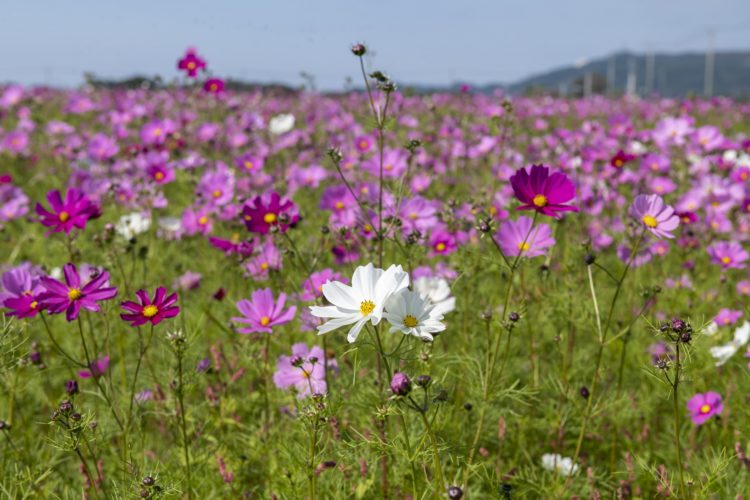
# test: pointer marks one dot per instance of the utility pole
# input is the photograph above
(611, 67)
(588, 84)
(630, 87)
(708, 77)
(650, 71)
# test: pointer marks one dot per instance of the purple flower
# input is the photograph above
(75, 211)
(518, 238)
(727, 317)
(262, 313)
(728, 255)
(545, 193)
(150, 311)
(312, 287)
(704, 406)
(191, 63)
(400, 384)
(71, 296)
(97, 368)
(657, 217)
(20, 292)
(304, 370)
(263, 213)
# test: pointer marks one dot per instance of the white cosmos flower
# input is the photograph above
(722, 353)
(364, 300)
(413, 314)
(131, 225)
(562, 465)
(439, 292)
(281, 124)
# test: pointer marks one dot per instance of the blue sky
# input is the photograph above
(415, 41)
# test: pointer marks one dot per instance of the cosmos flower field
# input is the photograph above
(210, 293)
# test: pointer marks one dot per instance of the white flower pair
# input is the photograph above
(376, 294)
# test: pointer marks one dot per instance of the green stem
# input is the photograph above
(675, 400)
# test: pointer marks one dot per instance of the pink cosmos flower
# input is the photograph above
(71, 296)
(263, 213)
(304, 370)
(727, 317)
(545, 193)
(704, 406)
(262, 313)
(729, 255)
(191, 63)
(150, 311)
(312, 287)
(657, 217)
(518, 238)
(75, 211)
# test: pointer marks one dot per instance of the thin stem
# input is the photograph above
(183, 425)
(57, 346)
(405, 429)
(675, 400)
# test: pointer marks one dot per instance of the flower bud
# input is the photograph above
(400, 384)
(423, 380)
(71, 387)
(359, 49)
(455, 493)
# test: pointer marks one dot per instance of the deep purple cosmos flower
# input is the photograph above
(729, 255)
(264, 212)
(262, 313)
(71, 296)
(545, 193)
(191, 63)
(620, 159)
(704, 406)
(75, 211)
(656, 216)
(150, 311)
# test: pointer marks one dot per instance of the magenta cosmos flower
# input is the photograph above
(304, 370)
(519, 238)
(704, 406)
(75, 211)
(214, 86)
(150, 311)
(19, 292)
(71, 296)
(191, 63)
(658, 217)
(264, 211)
(728, 255)
(545, 193)
(262, 313)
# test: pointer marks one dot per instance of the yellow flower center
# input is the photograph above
(367, 228)
(33, 305)
(366, 307)
(235, 238)
(159, 176)
(217, 193)
(363, 144)
(540, 201)
(388, 168)
(74, 294)
(523, 246)
(410, 321)
(249, 165)
(64, 216)
(265, 320)
(264, 265)
(618, 163)
(726, 260)
(649, 220)
(269, 218)
(191, 65)
(339, 205)
(654, 166)
(203, 221)
(150, 311)
(440, 247)
(213, 87)
(705, 409)
(413, 216)
(157, 132)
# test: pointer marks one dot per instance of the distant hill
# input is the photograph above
(674, 75)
